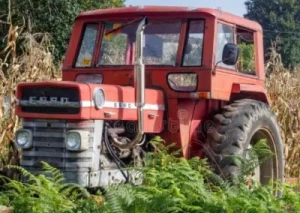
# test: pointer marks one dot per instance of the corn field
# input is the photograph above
(284, 91)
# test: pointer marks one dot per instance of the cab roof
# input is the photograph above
(156, 10)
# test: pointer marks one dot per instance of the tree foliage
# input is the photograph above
(280, 21)
(55, 17)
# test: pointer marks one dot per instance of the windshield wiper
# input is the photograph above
(123, 25)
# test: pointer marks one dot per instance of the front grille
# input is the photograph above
(49, 145)
(71, 94)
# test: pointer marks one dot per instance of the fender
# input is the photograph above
(256, 92)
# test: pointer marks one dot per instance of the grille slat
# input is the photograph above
(49, 140)
(57, 164)
(53, 154)
(44, 124)
(49, 145)
(49, 134)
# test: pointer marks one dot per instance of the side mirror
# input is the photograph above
(230, 54)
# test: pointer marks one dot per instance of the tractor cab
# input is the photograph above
(182, 51)
(132, 73)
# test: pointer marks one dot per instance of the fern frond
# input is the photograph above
(56, 174)
(71, 188)
(23, 172)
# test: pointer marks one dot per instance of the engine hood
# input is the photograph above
(75, 101)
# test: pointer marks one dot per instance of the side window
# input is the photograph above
(245, 41)
(225, 35)
(194, 45)
(87, 47)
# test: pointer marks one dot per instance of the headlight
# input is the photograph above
(77, 140)
(24, 138)
(99, 98)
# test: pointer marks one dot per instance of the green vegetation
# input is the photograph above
(280, 21)
(170, 184)
(53, 17)
(45, 193)
(247, 58)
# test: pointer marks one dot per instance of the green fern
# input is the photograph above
(171, 184)
(43, 193)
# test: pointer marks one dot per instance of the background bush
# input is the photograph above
(55, 17)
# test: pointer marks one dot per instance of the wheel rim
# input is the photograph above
(268, 170)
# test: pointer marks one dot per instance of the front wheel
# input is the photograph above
(236, 129)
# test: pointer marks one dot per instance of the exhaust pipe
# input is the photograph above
(139, 89)
(139, 81)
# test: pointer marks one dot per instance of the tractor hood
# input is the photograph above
(82, 101)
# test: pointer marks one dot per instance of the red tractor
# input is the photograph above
(189, 75)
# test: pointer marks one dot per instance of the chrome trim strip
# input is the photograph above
(86, 104)
(127, 105)
(108, 104)
(48, 104)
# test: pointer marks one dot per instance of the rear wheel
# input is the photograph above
(235, 131)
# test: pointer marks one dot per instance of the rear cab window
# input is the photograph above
(244, 39)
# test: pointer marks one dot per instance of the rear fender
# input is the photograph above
(251, 91)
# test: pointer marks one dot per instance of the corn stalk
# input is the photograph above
(26, 58)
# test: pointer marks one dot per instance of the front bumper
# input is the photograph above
(96, 179)
(101, 178)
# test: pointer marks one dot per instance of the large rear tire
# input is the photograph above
(239, 126)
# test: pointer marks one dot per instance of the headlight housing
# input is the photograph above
(23, 138)
(90, 78)
(77, 140)
(99, 98)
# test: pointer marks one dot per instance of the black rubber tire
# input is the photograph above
(232, 132)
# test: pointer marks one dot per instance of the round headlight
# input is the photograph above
(73, 141)
(99, 98)
(23, 138)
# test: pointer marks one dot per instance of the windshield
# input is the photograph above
(161, 44)
(160, 47)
